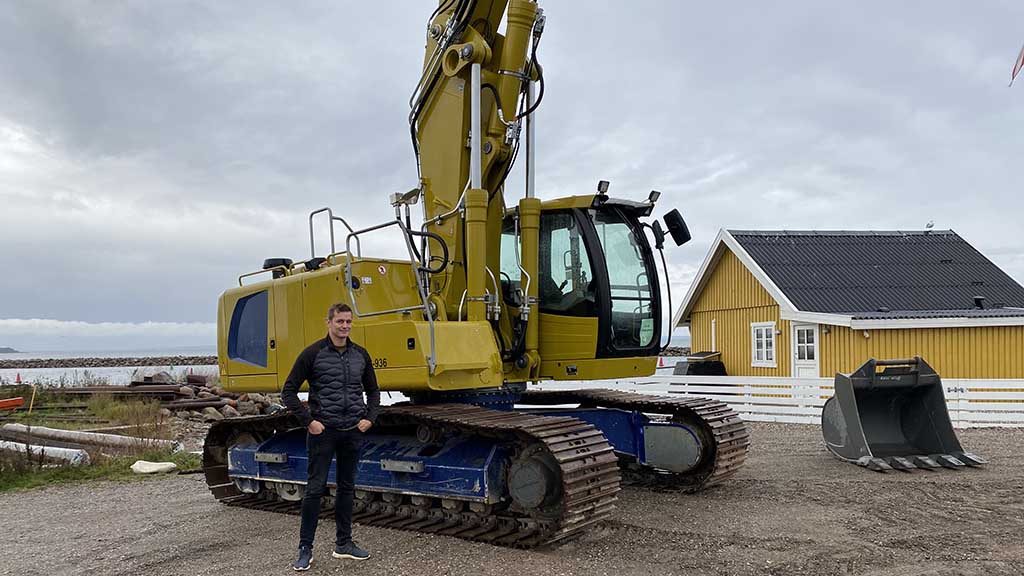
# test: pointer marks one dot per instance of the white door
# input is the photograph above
(804, 339)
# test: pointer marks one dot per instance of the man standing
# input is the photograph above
(339, 371)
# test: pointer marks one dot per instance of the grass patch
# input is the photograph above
(20, 472)
(143, 415)
(142, 419)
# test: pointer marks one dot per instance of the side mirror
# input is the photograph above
(677, 227)
(659, 235)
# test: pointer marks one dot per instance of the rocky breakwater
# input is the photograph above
(28, 363)
(676, 351)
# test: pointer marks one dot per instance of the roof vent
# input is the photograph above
(979, 302)
(881, 309)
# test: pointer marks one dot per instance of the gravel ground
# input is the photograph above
(792, 510)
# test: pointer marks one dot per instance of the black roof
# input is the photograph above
(888, 274)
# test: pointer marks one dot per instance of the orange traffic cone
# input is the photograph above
(17, 378)
(661, 362)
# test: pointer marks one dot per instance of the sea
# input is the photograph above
(100, 376)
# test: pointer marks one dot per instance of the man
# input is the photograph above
(339, 371)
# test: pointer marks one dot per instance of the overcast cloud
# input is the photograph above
(150, 152)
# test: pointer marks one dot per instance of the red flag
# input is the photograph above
(1018, 65)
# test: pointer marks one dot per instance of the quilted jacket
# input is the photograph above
(337, 382)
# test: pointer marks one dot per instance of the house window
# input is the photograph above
(762, 344)
(805, 343)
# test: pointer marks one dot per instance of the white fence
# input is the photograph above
(971, 403)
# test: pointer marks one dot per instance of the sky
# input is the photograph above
(151, 152)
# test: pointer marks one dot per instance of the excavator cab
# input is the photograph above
(599, 288)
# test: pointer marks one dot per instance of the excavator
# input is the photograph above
(495, 296)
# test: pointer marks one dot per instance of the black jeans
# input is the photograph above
(345, 445)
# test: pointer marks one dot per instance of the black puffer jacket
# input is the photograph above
(337, 381)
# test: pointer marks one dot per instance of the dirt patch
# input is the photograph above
(792, 510)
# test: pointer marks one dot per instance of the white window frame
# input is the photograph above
(768, 335)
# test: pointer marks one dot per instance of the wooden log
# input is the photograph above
(93, 438)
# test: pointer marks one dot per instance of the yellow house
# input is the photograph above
(812, 303)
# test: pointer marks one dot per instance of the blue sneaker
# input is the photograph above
(304, 560)
(351, 552)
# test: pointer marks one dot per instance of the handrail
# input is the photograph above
(283, 269)
(333, 219)
(420, 288)
(359, 247)
(312, 244)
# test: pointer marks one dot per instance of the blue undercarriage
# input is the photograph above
(469, 468)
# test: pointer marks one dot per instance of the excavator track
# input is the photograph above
(722, 432)
(587, 470)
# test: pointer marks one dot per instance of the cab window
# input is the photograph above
(566, 283)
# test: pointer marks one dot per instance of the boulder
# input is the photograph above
(183, 414)
(165, 413)
(152, 376)
(207, 395)
(187, 391)
(146, 467)
(210, 414)
(229, 412)
(248, 408)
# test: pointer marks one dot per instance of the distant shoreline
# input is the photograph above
(6, 350)
(28, 363)
(99, 362)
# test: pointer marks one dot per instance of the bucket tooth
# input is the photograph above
(901, 463)
(947, 461)
(925, 462)
(876, 464)
(970, 459)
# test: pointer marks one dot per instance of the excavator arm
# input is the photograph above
(466, 120)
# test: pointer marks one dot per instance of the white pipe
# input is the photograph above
(69, 455)
(474, 127)
(92, 437)
(529, 143)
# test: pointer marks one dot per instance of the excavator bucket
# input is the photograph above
(893, 419)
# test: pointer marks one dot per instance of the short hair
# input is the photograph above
(337, 309)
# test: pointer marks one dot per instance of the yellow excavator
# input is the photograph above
(494, 296)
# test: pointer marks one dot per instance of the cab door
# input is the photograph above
(250, 350)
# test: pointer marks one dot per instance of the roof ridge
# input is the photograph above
(866, 233)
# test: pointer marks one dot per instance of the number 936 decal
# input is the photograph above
(380, 362)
